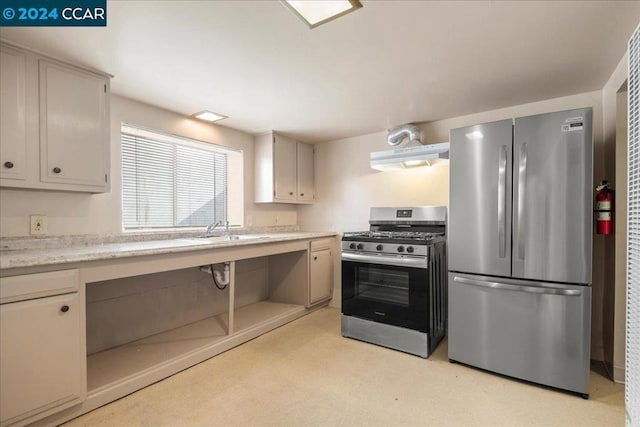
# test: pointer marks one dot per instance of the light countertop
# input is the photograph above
(72, 253)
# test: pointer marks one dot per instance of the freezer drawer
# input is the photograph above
(534, 331)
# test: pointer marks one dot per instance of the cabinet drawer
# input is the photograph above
(29, 286)
(320, 244)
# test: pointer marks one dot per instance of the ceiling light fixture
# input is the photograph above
(209, 116)
(317, 12)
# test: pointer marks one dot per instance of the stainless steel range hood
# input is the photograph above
(410, 157)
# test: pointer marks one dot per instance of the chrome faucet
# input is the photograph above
(213, 226)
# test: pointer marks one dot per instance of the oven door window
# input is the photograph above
(387, 294)
(383, 285)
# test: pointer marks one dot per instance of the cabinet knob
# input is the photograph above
(8, 165)
(57, 170)
(315, 258)
(64, 308)
(301, 194)
(291, 193)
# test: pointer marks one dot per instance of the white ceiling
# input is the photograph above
(388, 63)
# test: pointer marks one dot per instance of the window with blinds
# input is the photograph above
(169, 182)
(632, 364)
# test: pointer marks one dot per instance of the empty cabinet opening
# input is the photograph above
(153, 320)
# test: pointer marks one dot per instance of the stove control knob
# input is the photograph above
(410, 249)
(352, 246)
(400, 248)
(360, 246)
(379, 247)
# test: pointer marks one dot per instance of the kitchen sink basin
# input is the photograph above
(206, 238)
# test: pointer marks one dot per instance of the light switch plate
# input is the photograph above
(38, 225)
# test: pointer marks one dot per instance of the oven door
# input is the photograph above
(391, 290)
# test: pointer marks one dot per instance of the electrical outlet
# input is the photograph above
(38, 225)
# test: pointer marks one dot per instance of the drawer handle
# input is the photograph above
(519, 288)
(64, 308)
(8, 165)
(57, 170)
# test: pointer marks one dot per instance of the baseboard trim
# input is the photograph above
(618, 374)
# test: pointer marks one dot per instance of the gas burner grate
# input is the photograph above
(404, 235)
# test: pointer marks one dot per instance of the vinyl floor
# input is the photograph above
(306, 374)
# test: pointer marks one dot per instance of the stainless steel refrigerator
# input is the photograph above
(520, 233)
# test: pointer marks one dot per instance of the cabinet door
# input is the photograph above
(73, 126)
(305, 172)
(284, 168)
(321, 276)
(43, 365)
(13, 144)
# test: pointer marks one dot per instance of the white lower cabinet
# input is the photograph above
(320, 271)
(42, 357)
(62, 353)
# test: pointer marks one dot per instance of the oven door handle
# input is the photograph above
(406, 261)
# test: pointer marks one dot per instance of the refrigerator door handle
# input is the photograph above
(522, 177)
(502, 202)
(519, 288)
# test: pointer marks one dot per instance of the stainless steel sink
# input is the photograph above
(208, 237)
(204, 238)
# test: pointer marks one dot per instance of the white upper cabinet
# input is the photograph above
(73, 123)
(283, 170)
(55, 124)
(13, 125)
(304, 175)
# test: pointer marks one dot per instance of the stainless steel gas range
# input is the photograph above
(394, 279)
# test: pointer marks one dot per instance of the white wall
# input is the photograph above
(621, 233)
(614, 101)
(81, 213)
(346, 187)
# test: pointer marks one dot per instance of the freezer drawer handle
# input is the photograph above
(528, 289)
(502, 200)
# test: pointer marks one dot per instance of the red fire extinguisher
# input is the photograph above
(604, 200)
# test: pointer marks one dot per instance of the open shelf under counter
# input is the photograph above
(120, 362)
(137, 358)
(261, 313)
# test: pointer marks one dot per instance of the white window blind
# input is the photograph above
(632, 363)
(171, 182)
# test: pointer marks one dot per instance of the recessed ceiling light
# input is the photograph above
(317, 12)
(209, 116)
